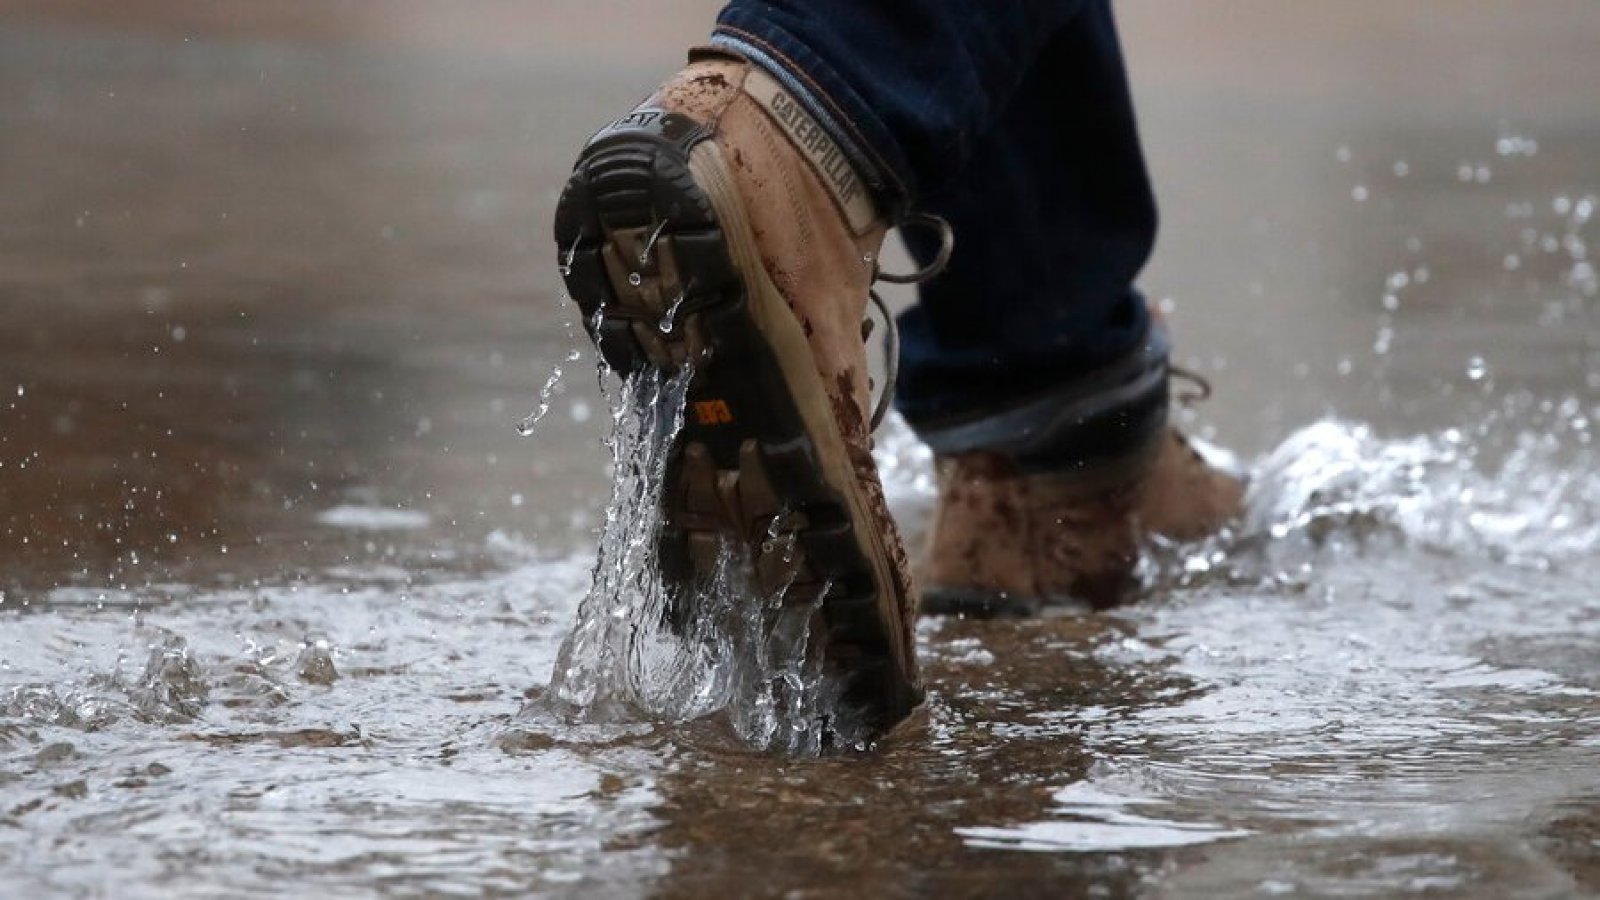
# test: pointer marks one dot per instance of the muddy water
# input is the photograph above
(284, 590)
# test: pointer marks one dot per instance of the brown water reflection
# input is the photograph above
(977, 754)
(245, 279)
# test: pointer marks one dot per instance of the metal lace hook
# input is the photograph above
(947, 246)
(891, 347)
(1200, 387)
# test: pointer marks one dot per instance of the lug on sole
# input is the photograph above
(651, 269)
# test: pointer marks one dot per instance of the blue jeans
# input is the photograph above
(1012, 120)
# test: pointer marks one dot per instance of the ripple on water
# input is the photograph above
(1093, 816)
(340, 733)
(1382, 681)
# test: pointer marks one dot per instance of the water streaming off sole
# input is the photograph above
(645, 650)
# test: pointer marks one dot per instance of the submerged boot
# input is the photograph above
(1046, 503)
(717, 227)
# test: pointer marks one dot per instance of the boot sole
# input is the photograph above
(661, 261)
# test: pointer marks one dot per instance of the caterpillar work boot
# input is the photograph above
(1046, 503)
(717, 227)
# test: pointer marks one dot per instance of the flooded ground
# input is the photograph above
(283, 588)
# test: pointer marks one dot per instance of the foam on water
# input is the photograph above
(373, 518)
(345, 731)
(1526, 497)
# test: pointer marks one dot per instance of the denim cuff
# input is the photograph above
(830, 101)
(1099, 417)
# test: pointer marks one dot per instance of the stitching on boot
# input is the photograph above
(835, 172)
(878, 162)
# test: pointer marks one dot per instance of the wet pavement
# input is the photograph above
(282, 586)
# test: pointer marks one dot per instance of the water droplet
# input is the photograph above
(1384, 341)
(1477, 368)
(568, 256)
(644, 254)
(670, 320)
(1583, 277)
(1359, 193)
(531, 421)
(1516, 145)
(1402, 169)
(635, 279)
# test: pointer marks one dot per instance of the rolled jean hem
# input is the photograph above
(1100, 414)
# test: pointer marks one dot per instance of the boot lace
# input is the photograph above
(1199, 387)
(891, 341)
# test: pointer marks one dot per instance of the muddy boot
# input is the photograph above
(1046, 503)
(717, 227)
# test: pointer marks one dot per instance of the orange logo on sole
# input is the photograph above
(712, 412)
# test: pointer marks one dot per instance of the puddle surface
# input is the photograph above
(287, 602)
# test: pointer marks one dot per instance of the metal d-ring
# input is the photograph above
(947, 246)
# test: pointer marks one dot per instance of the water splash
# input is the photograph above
(568, 255)
(1335, 487)
(531, 421)
(644, 650)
